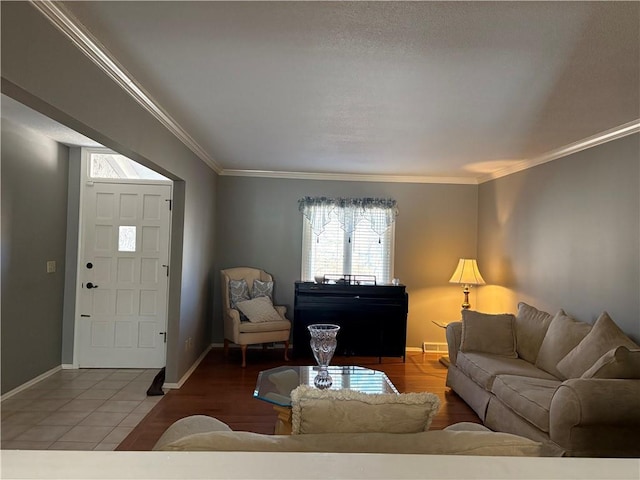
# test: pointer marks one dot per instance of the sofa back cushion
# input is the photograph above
(486, 333)
(531, 327)
(563, 334)
(619, 362)
(349, 411)
(603, 337)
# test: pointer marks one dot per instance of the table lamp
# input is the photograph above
(467, 274)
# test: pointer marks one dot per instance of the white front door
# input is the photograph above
(124, 276)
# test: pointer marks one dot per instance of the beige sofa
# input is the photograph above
(550, 378)
(202, 433)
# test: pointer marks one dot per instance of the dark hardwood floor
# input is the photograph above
(220, 388)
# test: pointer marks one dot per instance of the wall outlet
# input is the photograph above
(51, 266)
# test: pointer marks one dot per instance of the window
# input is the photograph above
(126, 238)
(348, 236)
(113, 165)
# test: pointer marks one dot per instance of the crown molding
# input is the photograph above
(598, 139)
(349, 177)
(91, 47)
(610, 135)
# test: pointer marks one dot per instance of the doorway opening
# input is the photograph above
(123, 263)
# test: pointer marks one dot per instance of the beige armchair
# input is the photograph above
(248, 333)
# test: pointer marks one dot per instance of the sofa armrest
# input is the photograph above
(454, 338)
(189, 426)
(580, 404)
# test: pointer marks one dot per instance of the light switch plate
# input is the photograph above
(51, 266)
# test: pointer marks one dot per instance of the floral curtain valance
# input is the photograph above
(380, 212)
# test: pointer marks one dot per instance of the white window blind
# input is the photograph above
(334, 251)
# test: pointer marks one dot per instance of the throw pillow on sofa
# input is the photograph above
(604, 336)
(488, 333)
(350, 411)
(531, 327)
(619, 362)
(563, 334)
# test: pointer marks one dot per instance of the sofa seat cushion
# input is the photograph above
(482, 368)
(437, 442)
(528, 397)
(250, 327)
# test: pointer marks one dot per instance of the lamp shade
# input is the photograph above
(467, 273)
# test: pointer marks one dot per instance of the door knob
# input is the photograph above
(91, 285)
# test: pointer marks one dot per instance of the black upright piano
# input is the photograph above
(372, 318)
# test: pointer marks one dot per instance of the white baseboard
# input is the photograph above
(186, 376)
(69, 366)
(30, 383)
(413, 350)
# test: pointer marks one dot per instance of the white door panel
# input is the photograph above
(123, 300)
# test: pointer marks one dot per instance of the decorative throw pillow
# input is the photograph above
(563, 334)
(259, 310)
(619, 362)
(531, 326)
(486, 333)
(604, 336)
(349, 411)
(262, 289)
(238, 292)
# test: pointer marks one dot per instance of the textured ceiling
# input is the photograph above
(391, 88)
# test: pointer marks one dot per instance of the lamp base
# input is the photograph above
(466, 303)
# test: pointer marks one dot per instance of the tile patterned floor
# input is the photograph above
(87, 409)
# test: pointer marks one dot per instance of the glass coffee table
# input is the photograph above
(275, 386)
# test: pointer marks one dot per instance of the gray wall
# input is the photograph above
(42, 69)
(34, 215)
(566, 234)
(259, 225)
